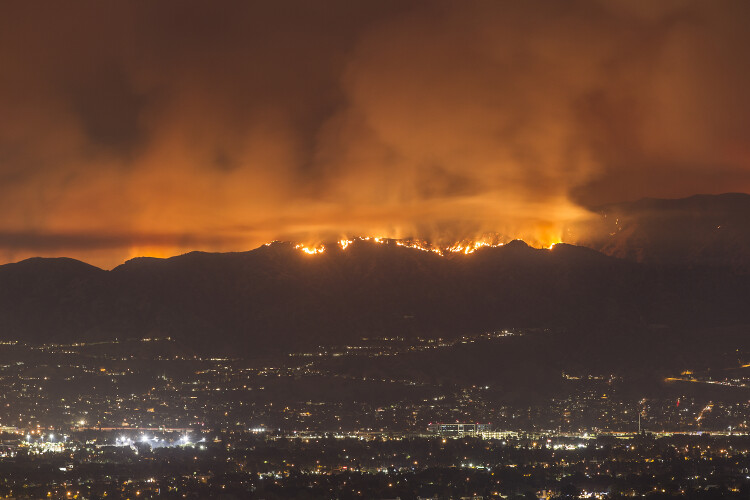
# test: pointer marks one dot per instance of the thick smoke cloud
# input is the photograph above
(159, 127)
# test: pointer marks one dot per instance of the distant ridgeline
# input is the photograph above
(702, 230)
(277, 297)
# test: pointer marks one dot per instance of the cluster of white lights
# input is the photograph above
(145, 438)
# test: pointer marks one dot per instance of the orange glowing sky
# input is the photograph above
(155, 128)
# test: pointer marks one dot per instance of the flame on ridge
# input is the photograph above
(465, 247)
(311, 250)
(418, 245)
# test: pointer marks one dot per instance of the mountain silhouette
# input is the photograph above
(277, 298)
(711, 230)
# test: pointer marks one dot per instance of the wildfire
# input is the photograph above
(465, 247)
(311, 250)
(468, 247)
(422, 246)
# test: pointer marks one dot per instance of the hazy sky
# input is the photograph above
(154, 128)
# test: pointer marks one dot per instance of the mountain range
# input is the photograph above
(680, 264)
(709, 230)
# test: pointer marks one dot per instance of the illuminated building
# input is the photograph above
(457, 429)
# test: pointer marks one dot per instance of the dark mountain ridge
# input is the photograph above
(276, 297)
(710, 230)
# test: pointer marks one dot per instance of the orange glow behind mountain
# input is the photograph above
(464, 247)
(157, 128)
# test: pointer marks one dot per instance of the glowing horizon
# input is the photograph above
(440, 122)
